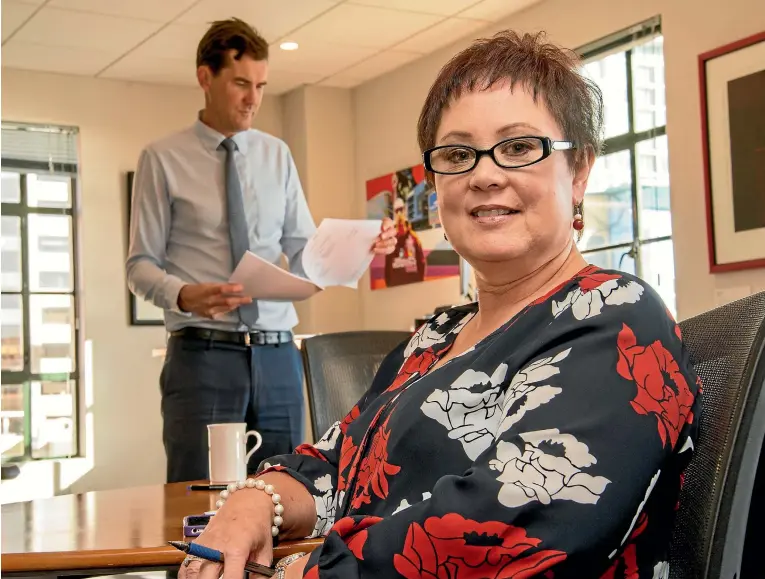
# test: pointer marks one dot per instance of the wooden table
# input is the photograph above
(105, 532)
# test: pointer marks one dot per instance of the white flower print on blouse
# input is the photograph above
(687, 445)
(338, 502)
(329, 440)
(531, 473)
(525, 392)
(325, 506)
(427, 336)
(588, 302)
(469, 409)
(405, 504)
(661, 570)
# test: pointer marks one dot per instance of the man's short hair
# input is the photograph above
(222, 37)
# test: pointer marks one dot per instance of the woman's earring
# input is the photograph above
(446, 238)
(578, 219)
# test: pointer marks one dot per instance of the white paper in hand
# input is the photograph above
(337, 255)
(340, 251)
(265, 281)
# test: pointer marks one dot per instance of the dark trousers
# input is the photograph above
(205, 382)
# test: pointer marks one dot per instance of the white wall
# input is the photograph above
(116, 119)
(387, 108)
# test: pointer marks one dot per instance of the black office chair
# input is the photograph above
(727, 349)
(339, 369)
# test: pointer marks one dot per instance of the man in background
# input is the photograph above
(202, 197)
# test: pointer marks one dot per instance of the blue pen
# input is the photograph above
(216, 556)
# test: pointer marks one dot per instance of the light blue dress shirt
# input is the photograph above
(179, 225)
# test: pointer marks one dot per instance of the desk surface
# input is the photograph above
(124, 528)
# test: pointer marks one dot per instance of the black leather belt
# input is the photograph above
(255, 338)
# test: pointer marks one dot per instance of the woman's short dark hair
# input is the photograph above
(548, 72)
(224, 36)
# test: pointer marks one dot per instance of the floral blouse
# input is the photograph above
(555, 447)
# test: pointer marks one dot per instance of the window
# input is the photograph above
(627, 213)
(53, 244)
(40, 329)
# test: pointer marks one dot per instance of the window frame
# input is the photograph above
(25, 376)
(625, 41)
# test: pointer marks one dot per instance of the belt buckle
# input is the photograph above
(247, 338)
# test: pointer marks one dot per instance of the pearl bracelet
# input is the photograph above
(261, 485)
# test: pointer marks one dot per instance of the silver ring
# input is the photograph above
(189, 558)
(289, 559)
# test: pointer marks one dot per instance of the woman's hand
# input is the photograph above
(241, 530)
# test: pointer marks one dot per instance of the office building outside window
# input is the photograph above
(627, 210)
(40, 329)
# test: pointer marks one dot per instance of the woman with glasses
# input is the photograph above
(542, 431)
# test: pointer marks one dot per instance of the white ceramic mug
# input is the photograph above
(227, 452)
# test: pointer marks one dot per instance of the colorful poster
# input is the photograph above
(422, 253)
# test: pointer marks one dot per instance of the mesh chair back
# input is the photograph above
(726, 347)
(339, 369)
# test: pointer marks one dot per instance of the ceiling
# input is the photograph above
(343, 43)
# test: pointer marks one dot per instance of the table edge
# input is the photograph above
(132, 557)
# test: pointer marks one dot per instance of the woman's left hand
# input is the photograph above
(386, 241)
(295, 570)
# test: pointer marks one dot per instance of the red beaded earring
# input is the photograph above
(578, 219)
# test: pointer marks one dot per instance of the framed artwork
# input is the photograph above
(732, 86)
(141, 312)
(422, 253)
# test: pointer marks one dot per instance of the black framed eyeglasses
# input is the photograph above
(508, 154)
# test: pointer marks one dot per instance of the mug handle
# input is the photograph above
(258, 443)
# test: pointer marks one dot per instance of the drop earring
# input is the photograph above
(578, 218)
(446, 238)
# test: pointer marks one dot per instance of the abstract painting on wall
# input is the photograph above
(422, 253)
(732, 84)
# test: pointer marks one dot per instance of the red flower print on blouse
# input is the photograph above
(350, 417)
(310, 450)
(662, 388)
(374, 470)
(347, 452)
(416, 365)
(312, 573)
(591, 278)
(626, 563)
(354, 532)
(451, 547)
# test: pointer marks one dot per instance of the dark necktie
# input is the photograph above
(237, 225)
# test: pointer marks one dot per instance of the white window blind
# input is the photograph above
(51, 145)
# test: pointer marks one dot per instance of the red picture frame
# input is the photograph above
(716, 266)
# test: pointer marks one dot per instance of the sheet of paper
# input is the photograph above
(340, 251)
(266, 281)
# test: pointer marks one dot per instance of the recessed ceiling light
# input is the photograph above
(289, 46)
